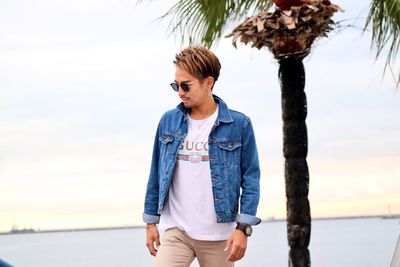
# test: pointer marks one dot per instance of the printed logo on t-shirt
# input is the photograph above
(192, 151)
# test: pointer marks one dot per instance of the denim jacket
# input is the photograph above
(235, 171)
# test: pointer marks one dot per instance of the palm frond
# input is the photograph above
(288, 32)
(384, 18)
(203, 21)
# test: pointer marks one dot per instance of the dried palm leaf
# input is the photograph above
(290, 31)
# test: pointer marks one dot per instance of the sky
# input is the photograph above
(83, 84)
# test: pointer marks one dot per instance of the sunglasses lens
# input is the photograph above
(185, 86)
(175, 86)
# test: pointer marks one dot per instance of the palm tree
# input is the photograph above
(288, 33)
(384, 17)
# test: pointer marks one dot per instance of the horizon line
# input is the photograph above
(267, 220)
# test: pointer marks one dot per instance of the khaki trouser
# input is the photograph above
(179, 250)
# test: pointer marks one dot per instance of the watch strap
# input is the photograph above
(245, 228)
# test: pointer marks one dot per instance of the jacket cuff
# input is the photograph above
(147, 218)
(247, 219)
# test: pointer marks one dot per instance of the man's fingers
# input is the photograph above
(241, 254)
(237, 253)
(228, 244)
(232, 256)
(150, 246)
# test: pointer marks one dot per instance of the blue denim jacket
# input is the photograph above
(234, 165)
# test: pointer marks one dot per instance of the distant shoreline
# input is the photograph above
(31, 231)
(393, 216)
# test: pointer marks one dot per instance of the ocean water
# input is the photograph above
(334, 243)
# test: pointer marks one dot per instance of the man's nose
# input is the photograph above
(180, 91)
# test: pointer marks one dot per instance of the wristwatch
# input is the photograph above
(245, 228)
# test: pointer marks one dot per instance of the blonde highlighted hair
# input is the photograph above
(199, 61)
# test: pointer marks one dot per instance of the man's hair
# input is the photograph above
(199, 62)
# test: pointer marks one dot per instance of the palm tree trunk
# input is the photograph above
(295, 147)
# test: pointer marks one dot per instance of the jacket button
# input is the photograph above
(219, 220)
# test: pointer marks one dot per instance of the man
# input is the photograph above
(4, 264)
(204, 163)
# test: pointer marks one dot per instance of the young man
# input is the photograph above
(205, 163)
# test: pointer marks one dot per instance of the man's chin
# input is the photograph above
(187, 105)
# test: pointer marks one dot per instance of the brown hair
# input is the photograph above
(199, 62)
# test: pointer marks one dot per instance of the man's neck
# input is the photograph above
(203, 111)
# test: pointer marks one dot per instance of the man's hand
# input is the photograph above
(238, 242)
(152, 238)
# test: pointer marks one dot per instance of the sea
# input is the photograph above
(361, 242)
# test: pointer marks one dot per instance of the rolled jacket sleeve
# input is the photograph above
(250, 177)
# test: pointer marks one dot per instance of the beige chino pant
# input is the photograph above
(179, 250)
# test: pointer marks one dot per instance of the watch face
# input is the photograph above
(249, 231)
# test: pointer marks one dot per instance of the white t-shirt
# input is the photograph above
(190, 205)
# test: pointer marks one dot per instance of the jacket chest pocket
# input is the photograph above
(166, 144)
(229, 153)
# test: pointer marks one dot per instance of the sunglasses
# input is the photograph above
(183, 85)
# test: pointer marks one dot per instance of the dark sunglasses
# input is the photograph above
(183, 85)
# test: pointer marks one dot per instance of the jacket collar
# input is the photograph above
(224, 114)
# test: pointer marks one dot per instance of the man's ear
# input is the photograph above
(210, 82)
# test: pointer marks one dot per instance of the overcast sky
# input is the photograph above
(83, 84)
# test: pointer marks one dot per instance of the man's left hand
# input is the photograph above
(238, 242)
